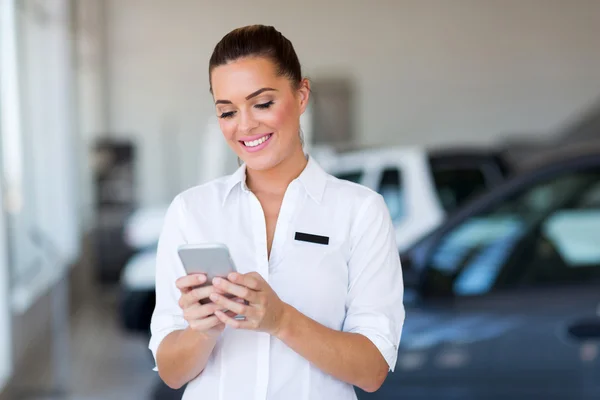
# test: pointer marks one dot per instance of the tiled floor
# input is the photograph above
(106, 364)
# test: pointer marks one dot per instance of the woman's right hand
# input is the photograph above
(198, 311)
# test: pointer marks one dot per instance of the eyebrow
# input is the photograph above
(251, 95)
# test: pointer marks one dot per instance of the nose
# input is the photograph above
(247, 122)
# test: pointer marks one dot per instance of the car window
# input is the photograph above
(566, 248)
(390, 187)
(545, 234)
(353, 176)
(454, 185)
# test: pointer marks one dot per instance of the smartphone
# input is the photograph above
(212, 259)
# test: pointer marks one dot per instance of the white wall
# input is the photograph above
(91, 95)
(426, 72)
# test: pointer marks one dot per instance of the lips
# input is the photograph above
(257, 142)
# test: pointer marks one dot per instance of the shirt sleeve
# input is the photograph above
(374, 303)
(168, 316)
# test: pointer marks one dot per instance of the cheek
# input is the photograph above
(280, 119)
(228, 128)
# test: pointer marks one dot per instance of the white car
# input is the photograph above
(143, 227)
(402, 176)
(420, 188)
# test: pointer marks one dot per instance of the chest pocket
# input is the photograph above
(313, 278)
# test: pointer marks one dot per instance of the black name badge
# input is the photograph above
(307, 237)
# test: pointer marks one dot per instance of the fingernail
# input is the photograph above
(217, 281)
(201, 278)
(214, 297)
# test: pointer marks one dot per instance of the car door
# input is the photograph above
(511, 300)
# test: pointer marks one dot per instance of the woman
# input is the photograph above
(319, 279)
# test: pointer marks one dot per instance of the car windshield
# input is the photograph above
(389, 186)
(352, 176)
(455, 185)
(535, 236)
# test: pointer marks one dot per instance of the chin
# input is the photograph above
(262, 163)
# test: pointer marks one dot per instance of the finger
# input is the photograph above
(198, 311)
(231, 305)
(205, 323)
(190, 281)
(239, 291)
(234, 323)
(196, 295)
(251, 280)
(241, 301)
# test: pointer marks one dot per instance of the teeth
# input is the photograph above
(256, 142)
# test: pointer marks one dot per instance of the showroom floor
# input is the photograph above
(105, 363)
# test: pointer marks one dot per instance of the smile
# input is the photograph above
(257, 142)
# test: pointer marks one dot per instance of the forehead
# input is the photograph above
(237, 79)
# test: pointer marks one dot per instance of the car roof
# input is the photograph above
(546, 156)
(463, 151)
(379, 153)
(547, 163)
(363, 154)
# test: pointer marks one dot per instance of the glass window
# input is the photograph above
(7, 28)
(566, 247)
(546, 234)
(454, 185)
(37, 144)
(390, 187)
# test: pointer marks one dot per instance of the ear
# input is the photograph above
(304, 94)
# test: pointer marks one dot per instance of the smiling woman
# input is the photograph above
(259, 108)
(318, 282)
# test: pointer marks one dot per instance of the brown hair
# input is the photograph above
(258, 41)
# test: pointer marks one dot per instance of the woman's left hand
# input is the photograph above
(264, 310)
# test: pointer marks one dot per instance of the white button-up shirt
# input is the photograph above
(352, 284)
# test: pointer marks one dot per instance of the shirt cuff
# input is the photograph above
(388, 350)
(157, 338)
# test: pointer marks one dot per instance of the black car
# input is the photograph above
(504, 300)
(460, 173)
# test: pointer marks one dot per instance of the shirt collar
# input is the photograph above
(237, 178)
(313, 178)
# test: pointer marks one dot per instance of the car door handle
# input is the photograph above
(585, 329)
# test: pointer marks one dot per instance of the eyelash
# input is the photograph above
(226, 115)
(262, 106)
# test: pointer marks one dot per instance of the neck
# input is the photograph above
(277, 179)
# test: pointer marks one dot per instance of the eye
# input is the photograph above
(264, 105)
(227, 114)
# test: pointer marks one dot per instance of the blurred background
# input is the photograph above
(478, 121)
